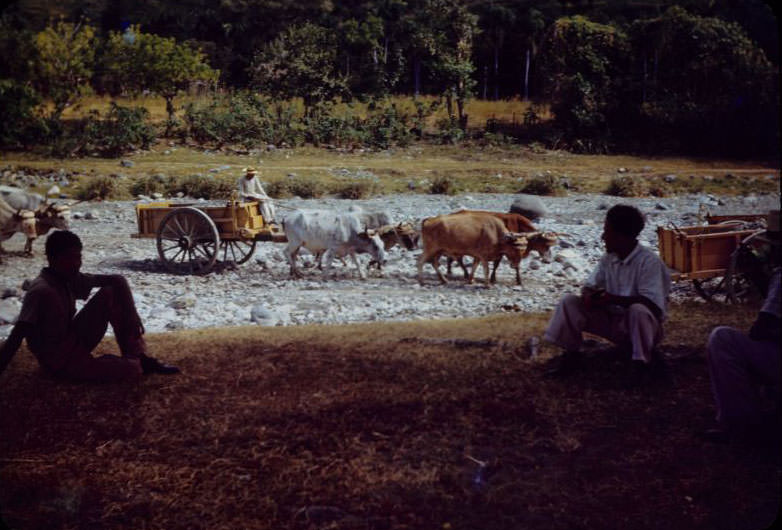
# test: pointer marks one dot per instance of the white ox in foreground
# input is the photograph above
(334, 234)
(30, 214)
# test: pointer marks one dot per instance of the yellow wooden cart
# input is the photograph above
(709, 255)
(192, 238)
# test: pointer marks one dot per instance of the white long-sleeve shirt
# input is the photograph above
(251, 189)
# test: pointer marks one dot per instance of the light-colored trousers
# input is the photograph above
(267, 209)
(635, 326)
(739, 368)
(110, 305)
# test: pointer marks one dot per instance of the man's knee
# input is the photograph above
(640, 312)
(571, 301)
(719, 347)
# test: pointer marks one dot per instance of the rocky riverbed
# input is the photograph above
(260, 292)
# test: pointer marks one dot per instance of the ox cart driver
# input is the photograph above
(250, 189)
(62, 339)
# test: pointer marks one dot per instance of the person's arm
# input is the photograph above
(604, 298)
(765, 327)
(9, 348)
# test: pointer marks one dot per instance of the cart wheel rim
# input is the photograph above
(236, 250)
(187, 241)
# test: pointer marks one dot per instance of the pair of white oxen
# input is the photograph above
(485, 236)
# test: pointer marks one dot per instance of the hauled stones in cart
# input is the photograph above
(191, 239)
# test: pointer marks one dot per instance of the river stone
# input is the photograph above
(530, 206)
(183, 302)
(9, 310)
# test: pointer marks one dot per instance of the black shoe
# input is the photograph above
(565, 364)
(642, 373)
(150, 365)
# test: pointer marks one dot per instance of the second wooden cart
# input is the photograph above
(709, 255)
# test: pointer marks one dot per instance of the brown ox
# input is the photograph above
(517, 223)
(483, 237)
(400, 234)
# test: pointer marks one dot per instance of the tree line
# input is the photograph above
(695, 75)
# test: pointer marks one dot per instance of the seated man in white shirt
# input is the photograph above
(250, 189)
(624, 299)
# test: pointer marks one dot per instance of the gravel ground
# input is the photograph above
(261, 291)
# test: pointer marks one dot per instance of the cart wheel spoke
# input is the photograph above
(240, 250)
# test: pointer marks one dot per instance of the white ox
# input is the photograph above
(335, 234)
(30, 214)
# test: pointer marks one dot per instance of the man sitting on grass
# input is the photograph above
(745, 368)
(61, 339)
(624, 299)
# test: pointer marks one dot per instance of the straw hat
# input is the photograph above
(250, 171)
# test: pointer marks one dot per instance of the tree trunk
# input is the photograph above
(496, 72)
(526, 76)
(460, 102)
(416, 76)
(485, 80)
(170, 111)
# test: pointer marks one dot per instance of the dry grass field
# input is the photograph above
(478, 110)
(471, 168)
(381, 426)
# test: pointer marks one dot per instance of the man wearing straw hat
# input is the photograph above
(744, 368)
(250, 189)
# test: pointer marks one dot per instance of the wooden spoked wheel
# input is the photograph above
(187, 241)
(236, 250)
(741, 278)
(711, 289)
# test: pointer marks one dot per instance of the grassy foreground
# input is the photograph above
(381, 426)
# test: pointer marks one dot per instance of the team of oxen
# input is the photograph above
(484, 236)
(29, 213)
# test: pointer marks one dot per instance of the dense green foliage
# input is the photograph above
(124, 129)
(63, 61)
(135, 61)
(690, 76)
(19, 124)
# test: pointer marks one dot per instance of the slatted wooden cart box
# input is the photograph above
(705, 254)
(191, 238)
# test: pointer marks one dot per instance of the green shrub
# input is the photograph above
(19, 124)
(627, 186)
(305, 187)
(449, 131)
(99, 188)
(237, 118)
(543, 185)
(203, 187)
(660, 189)
(153, 184)
(278, 189)
(124, 129)
(443, 185)
(389, 127)
(357, 189)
